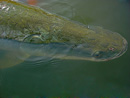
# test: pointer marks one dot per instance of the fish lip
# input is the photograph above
(123, 50)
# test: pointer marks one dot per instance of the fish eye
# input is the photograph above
(98, 54)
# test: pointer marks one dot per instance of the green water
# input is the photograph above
(75, 78)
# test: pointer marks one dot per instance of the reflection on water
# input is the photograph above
(34, 78)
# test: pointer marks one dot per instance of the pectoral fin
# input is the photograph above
(10, 59)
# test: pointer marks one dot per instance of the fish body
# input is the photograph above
(31, 24)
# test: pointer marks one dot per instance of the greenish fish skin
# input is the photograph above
(34, 25)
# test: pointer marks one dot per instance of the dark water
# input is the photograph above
(73, 78)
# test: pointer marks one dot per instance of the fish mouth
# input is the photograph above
(124, 49)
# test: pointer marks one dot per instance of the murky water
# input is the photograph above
(34, 77)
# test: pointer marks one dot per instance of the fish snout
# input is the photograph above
(124, 48)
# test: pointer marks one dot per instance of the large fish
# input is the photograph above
(57, 35)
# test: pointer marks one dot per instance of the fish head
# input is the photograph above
(106, 45)
(98, 44)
